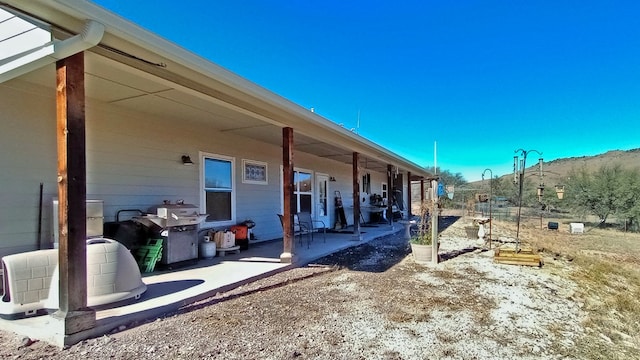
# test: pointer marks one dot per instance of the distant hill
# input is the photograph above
(557, 171)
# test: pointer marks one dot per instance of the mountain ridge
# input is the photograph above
(556, 172)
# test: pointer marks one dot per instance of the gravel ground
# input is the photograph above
(368, 302)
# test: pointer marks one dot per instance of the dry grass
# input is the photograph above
(604, 264)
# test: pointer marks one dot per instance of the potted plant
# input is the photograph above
(422, 241)
(472, 231)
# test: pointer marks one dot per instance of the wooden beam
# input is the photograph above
(356, 197)
(287, 190)
(409, 193)
(72, 223)
(389, 195)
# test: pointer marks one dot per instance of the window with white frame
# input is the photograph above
(218, 188)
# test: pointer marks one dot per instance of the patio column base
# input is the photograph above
(356, 237)
(68, 328)
(286, 258)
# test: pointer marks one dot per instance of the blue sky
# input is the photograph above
(481, 78)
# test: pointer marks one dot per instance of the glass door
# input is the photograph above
(322, 204)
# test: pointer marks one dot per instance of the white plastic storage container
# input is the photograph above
(95, 220)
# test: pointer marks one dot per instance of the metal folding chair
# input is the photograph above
(298, 229)
(313, 226)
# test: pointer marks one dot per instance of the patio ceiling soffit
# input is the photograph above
(199, 77)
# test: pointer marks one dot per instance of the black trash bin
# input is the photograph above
(129, 233)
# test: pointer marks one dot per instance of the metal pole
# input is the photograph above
(434, 220)
(523, 166)
(490, 213)
(521, 178)
(490, 197)
(434, 211)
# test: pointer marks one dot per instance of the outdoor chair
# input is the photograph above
(314, 226)
(298, 229)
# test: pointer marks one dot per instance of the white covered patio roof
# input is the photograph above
(134, 68)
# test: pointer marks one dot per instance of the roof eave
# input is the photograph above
(197, 69)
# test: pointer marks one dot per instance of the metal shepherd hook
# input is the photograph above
(490, 197)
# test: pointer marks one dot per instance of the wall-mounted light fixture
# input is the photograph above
(186, 160)
(332, 178)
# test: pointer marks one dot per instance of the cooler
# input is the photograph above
(242, 238)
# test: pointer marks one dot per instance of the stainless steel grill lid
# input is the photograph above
(171, 215)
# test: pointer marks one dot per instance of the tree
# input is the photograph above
(611, 190)
(505, 188)
(447, 177)
(628, 201)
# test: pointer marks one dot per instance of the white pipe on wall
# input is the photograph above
(49, 53)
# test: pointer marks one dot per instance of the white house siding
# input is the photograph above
(259, 203)
(133, 162)
(342, 173)
(27, 158)
(344, 183)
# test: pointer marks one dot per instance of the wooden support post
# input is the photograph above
(356, 197)
(421, 195)
(72, 251)
(289, 200)
(409, 194)
(434, 220)
(389, 195)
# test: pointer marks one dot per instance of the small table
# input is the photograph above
(223, 251)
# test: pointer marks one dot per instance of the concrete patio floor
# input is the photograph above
(168, 290)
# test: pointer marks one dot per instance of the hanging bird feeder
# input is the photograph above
(540, 191)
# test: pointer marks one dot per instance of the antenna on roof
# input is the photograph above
(358, 122)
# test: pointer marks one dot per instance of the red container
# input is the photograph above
(240, 231)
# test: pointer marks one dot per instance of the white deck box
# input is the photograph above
(576, 228)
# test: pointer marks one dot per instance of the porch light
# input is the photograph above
(186, 160)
